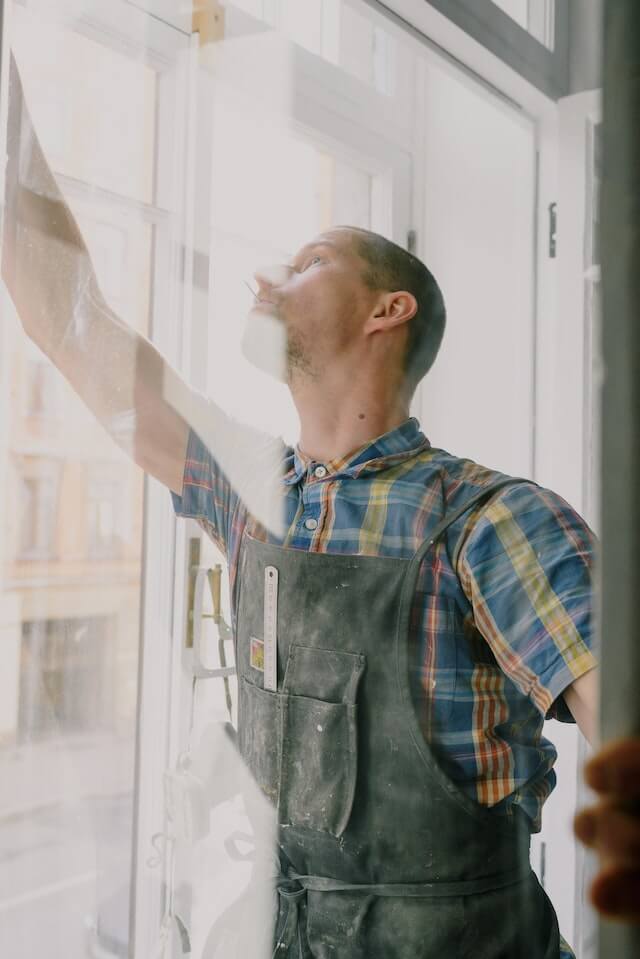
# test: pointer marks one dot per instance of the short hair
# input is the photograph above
(389, 267)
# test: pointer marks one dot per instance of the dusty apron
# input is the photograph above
(381, 855)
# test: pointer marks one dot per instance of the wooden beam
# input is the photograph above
(208, 21)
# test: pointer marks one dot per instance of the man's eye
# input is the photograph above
(312, 260)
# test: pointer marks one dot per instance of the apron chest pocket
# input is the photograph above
(319, 759)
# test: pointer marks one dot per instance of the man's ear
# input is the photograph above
(391, 310)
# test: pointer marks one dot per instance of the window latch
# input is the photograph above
(553, 229)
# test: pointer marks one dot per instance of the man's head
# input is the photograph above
(391, 268)
(350, 291)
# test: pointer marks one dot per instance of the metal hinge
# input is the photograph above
(412, 241)
(553, 229)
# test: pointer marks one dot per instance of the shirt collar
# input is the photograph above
(393, 447)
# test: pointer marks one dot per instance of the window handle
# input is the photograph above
(204, 577)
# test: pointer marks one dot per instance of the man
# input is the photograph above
(430, 611)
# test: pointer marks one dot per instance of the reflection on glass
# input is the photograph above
(66, 685)
(72, 522)
(286, 195)
(74, 564)
(342, 32)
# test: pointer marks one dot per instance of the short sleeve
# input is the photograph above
(232, 474)
(207, 495)
(526, 567)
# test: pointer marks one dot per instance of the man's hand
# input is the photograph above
(612, 828)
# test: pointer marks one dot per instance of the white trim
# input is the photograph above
(452, 44)
(176, 15)
(5, 304)
(120, 24)
(563, 418)
(161, 628)
(79, 189)
(546, 320)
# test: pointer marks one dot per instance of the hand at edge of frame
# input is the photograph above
(611, 827)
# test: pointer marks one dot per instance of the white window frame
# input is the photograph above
(319, 88)
(328, 103)
(577, 341)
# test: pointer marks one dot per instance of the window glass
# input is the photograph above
(72, 505)
(265, 205)
(536, 16)
(341, 32)
(190, 187)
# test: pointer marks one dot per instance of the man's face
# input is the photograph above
(321, 300)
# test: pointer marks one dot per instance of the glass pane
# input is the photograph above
(328, 739)
(367, 50)
(72, 513)
(266, 204)
(339, 31)
(536, 16)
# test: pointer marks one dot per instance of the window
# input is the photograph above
(66, 678)
(536, 16)
(38, 516)
(103, 501)
(41, 389)
(530, 36)
(339, 31)
(105, 85)
(374, 128)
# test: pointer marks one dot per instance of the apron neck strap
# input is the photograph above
(481, 496)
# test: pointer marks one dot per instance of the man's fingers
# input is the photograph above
(615, 769)
(611, 830)
(615, 892)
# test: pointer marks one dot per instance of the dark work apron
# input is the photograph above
(381, 855)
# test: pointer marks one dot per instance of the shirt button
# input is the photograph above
(320, 472)
(311, 523)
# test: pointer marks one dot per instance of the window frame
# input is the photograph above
(509, 80)
(45, 547)
(485, 22)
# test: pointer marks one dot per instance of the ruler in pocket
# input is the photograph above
(270, 628)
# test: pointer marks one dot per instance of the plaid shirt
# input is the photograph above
(501, 621)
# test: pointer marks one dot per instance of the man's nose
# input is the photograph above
(270, 277)
(262, 282)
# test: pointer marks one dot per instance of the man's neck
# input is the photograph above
(331, 427)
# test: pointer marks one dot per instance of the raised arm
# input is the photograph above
(47, 269)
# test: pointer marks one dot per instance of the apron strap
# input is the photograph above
(410, 890)
(484, 494)
(292, 890)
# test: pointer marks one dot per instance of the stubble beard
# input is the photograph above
(300, 366)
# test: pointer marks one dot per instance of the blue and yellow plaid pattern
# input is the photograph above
(502, 619)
